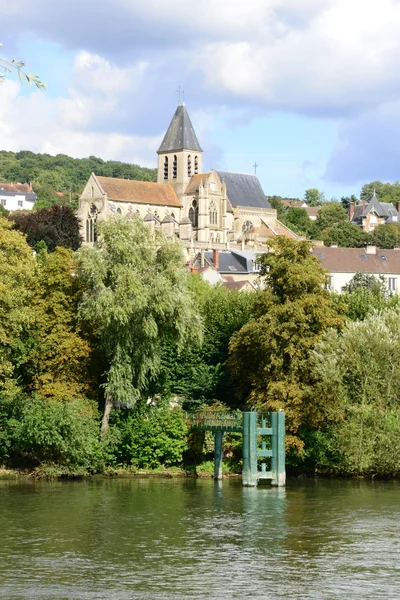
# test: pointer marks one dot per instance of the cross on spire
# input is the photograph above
(180, 93)
(255, 168)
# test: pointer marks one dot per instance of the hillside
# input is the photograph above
(63, 173)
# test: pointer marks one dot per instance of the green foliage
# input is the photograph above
(276, 202)
(386, 192)
(329, 214)
(347, 200)
(150, 436)
(345, 235)
(35, 431)
(368, 282)
(61, 173)
(136, 299)
(270, 355)
(298, 220)
(199, 372)
(314, 197)
(357, 387)
(386, 236)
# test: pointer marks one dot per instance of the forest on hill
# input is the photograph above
(61, 173)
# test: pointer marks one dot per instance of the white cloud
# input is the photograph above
(66, 124)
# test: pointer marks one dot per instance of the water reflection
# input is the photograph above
(173, 539)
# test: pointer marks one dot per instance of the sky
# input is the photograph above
(307, 89)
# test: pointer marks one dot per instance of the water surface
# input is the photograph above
(123, 539)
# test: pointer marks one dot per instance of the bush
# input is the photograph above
(150, 436)
(36, 432)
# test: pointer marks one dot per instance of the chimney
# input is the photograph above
(216, 259)
(398, 206)
(370, 249)
(351, 210)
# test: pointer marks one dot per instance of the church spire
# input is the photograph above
(180, 134)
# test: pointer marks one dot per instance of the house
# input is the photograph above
(312, 211)
(344, 263)
(212, 209)
(368, 216)
(232, 265)
(17, 196)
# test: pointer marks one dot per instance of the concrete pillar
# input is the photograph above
(218, 435)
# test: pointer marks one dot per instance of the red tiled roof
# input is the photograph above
(15, 187)
(140, 192)
(351, 260)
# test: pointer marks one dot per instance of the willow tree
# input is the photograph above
(269, 356)
(136, 299)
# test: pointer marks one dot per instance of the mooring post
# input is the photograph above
(249, 472)
(218, 435)
(278, 449)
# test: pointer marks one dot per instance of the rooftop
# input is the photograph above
(141, 192)
(180, 133)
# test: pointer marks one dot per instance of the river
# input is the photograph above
(157, 539)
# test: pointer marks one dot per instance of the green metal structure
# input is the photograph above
(269, 428)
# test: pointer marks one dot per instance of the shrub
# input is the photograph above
(151, 436)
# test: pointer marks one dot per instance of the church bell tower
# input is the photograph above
(180, 155)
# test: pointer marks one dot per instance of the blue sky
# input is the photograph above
(308, 88)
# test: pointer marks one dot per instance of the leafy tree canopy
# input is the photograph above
(55, 226)
(270, 355)
(345, 235)
(136, 299)
(329, 214)
(386, 192)
(314, 197)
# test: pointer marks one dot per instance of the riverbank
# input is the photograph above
(51, 472)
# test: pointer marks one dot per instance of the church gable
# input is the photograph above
(93, 188)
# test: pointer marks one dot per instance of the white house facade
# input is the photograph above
(17, 196)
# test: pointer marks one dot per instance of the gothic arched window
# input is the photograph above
(213, 213)
(194, 214)
(189, 165)
(175, 167)
(196, 165)
(166, 167)
(91, 234)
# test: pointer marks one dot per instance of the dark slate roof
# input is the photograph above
(244, 189)
(230, 262)
(385, 210)
(180, 134)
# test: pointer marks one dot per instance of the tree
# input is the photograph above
(298, 220)
(276, 202)
(357, 385)
(136, 299)
(386, 192)
(347, 200)
(56, 226)
(345, 235)
(368, 282)
(17, 272)
(314, 197)
(330, 214)
(386, 236)
(269, 357)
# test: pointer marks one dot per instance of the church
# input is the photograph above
(218, 209)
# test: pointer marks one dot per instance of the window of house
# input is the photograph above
(189, 166)
(175, 167)
(196, 165)
(166, 167)
(213, 213)
(3, 202)
(392, 282)
(20, 203)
